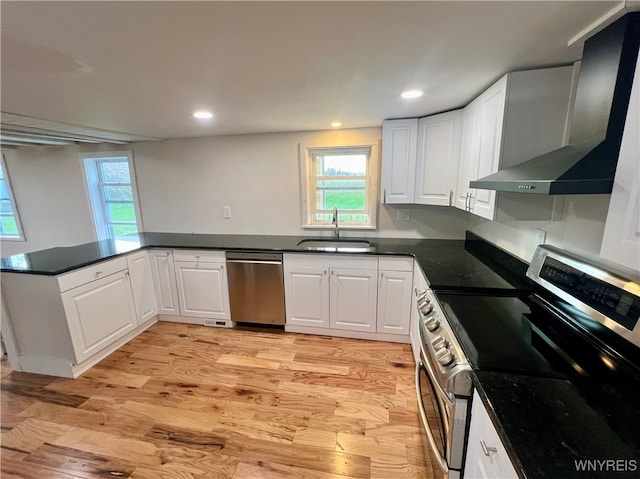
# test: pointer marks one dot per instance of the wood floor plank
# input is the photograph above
(185, 401)
(81, 464)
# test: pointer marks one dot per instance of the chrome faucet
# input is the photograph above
(334, 221)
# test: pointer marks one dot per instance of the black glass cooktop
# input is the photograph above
(517, 334)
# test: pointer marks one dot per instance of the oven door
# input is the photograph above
(438, 414)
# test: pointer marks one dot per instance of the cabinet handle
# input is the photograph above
(470, 200)
(98, 273)
(450, 197)
(325, 272)
(487, 450)
(384, 196)
(168, 253)
(197, 256)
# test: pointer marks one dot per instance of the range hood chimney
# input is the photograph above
(587, 164)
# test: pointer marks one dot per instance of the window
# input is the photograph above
(113, 194)
(340, 177)
(10, 227)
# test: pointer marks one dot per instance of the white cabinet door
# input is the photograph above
(491, 119)
(99, 313)
(438, 157)
(399, 146)
(202, 290)
(353, 299)
(394, 302)
(621, 240)
(469, 155)
(307, 296)
(487, 457)
(144, 294)
(164, 280)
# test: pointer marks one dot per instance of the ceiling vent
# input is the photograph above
(18, 131)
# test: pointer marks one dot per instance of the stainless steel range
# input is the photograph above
(580, 321)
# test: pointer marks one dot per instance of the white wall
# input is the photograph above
(49, 191)
(580, 229)
(258, 177)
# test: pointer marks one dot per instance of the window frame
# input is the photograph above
(14, 205)
(94, 187)
(308, 188)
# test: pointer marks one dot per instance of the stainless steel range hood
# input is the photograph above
(587, 165)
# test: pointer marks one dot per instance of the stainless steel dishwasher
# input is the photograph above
(256, 287)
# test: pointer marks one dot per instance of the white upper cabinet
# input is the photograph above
(621, 240)
(521, 116)
(438, 157)
(399, 146)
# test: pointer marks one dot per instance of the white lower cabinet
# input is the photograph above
(395, 280)
(331, 291)
(164, 279)
(349, 295)
(202, 289)
(98, 313)
(306, 294)
(62, 325)
(487, 457)
(144, 294)
(352, 299)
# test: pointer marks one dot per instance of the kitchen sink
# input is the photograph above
(331, 244)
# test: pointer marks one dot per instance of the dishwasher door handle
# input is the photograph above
(253, 261)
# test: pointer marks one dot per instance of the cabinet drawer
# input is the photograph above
(395, 263)
(82, 276)
(202, 256)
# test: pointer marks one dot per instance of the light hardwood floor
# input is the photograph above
(191, 402)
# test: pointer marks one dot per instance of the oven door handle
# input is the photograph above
(423, 417)
(442, 394)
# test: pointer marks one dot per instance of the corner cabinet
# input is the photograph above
(438, 156)
(521, 116)
(164, 280)
(420, 159)
(487, 457)
(399, 147)
(144, 294)
(77, 318)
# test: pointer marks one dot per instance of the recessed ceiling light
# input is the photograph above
(202, 115)
(411, 94)
(336, 124)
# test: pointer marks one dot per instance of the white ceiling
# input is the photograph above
(142, 68)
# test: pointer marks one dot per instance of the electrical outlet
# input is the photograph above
(404, 215)
(226, 211)
(541, 236)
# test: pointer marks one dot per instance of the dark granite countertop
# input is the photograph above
(455, 264)
(554, 426)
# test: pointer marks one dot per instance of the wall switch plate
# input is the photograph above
(404, 215)
(226, 211)
(541, 236)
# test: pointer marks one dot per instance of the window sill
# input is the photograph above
(341, 228)
(12, 238)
